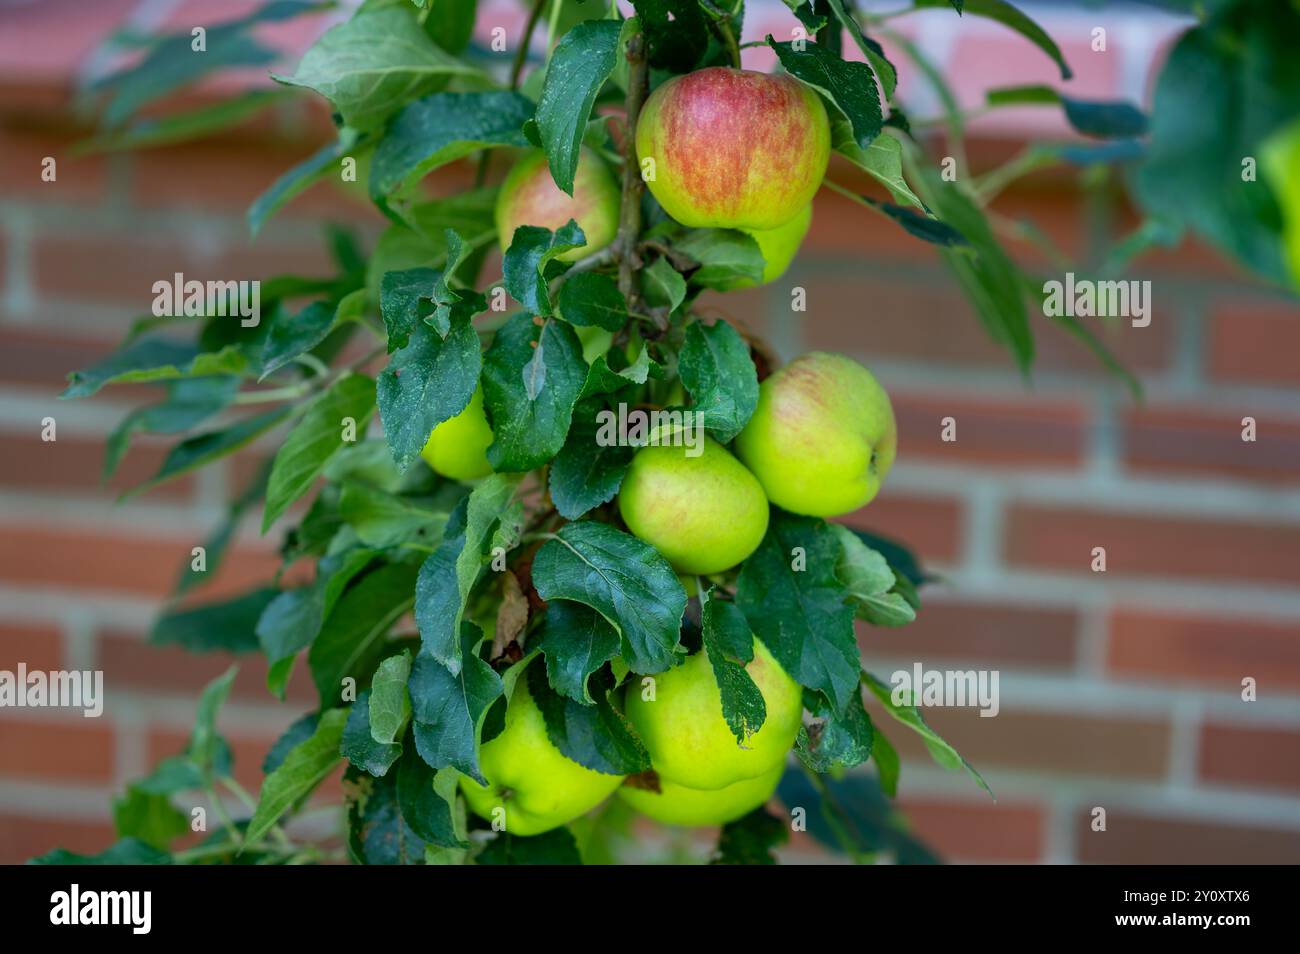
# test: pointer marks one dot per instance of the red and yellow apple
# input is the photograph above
(728, 148)
(529, 196)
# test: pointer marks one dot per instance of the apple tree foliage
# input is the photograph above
(385, 565)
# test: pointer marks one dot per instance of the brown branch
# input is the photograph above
(629, 219)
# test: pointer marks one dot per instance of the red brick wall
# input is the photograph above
(1119, 690)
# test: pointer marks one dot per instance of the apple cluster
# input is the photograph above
(719, 148)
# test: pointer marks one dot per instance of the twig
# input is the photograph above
(521, 54)
(629, 219)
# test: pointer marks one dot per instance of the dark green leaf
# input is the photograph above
(1009, 16)
(532, 376)
(850, 85)
(1106, 119)
(853, 816)
(428, 802)
(359, 746)
(676, 33)
(531, 249)
(150, 817)
(128, 851)
(663, 285)
(305, 767)
(751, 840)
(225, 626)
(449, 709)
(586, 473)
(834, 741)
(590, 298)
(623, 579)
(726, 257)
(717, 370)
(377, 833)
(189, 402)
(801, 614)
(870, 582)
(872, 50)
(405, 300)
(295, 334)
(298, 178)
(207, 749)
(576, 641)
(729, 644)
(154, 359)
(555, 847)
(579, 66)
(299, 731)
(595, 736)
(195, 452)
(382, 519)
(390, 701)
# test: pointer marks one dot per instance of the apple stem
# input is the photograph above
(629, 219)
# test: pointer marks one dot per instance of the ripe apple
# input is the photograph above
(537, 786)
(690, 742)
(823, 436)
(529, 196)
(733, 148)
(457, 448)
(678, 805)
(779, 247)
(704, 514)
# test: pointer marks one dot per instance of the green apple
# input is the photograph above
(529, 196)
(1280, 161)
(779, 247)
(690, 742)
(822, 438)
(457, 448)
(537, 786)
(704, 514)
(678, 805)
(728, 148)
(595, 341)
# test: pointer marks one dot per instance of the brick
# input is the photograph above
(132, 562)
(932, 528)
(23, 837)
(1042, 537)
(72, 749)
(78, 179)
(1251, 757)
(1069, 744)
(121, 268)
(1131, 838)
(980, 634)
(1254, 343)
(975, 831)
(1188, 441)
(1212, 651)
(130, 662)
(39, 646)
(1016, 434)
(74, 465)
(32, 357)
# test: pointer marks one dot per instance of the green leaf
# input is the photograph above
(189, 402)
(295, 334)
(887, 762)
(924, 227)
(405, 300)
(576, 641)
(390, 701)
(207, 749)
(676, 33)
(382, 519)
(872, 50)
(315, 439)
(586, 473)
(882, 159)
(532, 376)
(602, 379)
(1008, 16)
(751, 840)
(1105, 119)
(296, 179)
(303, 769)
(593, 299)
(358, 744)
(531, 249)
(717, 370)
(377, 833)
(803, 9)
(801, 614)
(223, 626)
(154, 359)
(199, 451)
(450, 23)
(299, 731)
(902, 561)
(908, 714)
(128, 851)
(427, 801)
(368, 67)
(624, 580)
(427, 382)
(729, 645)
(449, 573)
(581, 62)
(555, 847)
(595, 736)
(663, 285)
(351, 641)
(870, 582)
(850, 85)
(150, 817)
(726, 257)
(834, 741)
(852, 815)
(200, 123)
(452, 305)
(449, 708)
(442, 128)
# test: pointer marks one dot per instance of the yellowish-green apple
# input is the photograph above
(704, 514)
(823, 436)
(687, 737)
(457, 448)
(1280, 161)
(676, 804)
(779, 247)
(536, 785)
(728, 148)
(529, 196)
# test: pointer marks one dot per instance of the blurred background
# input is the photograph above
(1120, 690)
